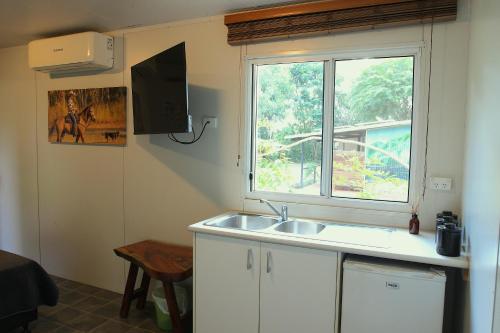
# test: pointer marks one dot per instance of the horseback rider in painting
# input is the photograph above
(73, 110)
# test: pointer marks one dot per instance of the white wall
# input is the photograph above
(95, 198)
(81, 195)
(167, 185)
(18, 155)
(481, 195)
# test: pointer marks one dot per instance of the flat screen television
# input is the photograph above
(160, 93)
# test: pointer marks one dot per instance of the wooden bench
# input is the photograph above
(165, 262)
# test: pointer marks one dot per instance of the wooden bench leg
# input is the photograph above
(26, 328)
(141, 302)
(173, 309)
(128, 296)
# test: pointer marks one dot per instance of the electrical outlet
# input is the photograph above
(212, 120)
(440, 184)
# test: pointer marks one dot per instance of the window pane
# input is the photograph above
(372, 128)
(289, 127)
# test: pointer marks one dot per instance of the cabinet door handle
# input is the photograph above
(268, 262)
(249, 259)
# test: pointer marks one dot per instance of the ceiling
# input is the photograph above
(24, 20)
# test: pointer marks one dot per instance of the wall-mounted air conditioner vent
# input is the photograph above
(82, 52)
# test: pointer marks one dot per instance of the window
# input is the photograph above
(372, 128)
(289, 127)
(333, 127)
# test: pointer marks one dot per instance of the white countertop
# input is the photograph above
(382, 242)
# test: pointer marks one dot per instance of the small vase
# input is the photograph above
(414, 224)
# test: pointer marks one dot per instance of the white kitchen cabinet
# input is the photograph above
(297, 289)
(226, 285)
(293, 288)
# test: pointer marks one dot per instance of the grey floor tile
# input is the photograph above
(45, 311)
(110, 310)
(71, 285)
(109, 295)
(150, 325)
(90, 303)
(137, 330)
(135, 317)
(70, 297)
(86, 322)
(89, 290)
(118, 300)
(65, 329)
(112, 326)
(44, 326)
(83, 308)
(65, 315)
(60, 283)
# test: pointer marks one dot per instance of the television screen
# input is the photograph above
(159, 93)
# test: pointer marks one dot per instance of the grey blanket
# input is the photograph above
(24, 285)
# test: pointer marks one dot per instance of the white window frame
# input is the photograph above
(418, 127)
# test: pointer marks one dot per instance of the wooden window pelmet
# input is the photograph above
(333, 16)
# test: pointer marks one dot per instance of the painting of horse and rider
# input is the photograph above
(88, 116)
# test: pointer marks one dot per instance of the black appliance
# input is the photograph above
(449, 239)
(160, 93)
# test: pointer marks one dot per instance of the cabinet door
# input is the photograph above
(226, 285)
(297, 290)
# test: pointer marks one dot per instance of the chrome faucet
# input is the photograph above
(284, 210)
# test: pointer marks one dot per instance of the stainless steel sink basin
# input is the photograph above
(300, 228)
(244, 222)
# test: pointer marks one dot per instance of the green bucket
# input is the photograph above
(162, 319)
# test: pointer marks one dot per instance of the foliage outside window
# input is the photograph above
(363, 154)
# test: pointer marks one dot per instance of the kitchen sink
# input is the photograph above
(300, 228)
(244, 222)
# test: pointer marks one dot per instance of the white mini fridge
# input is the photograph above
(386, 297)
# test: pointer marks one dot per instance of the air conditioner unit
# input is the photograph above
(82, 52)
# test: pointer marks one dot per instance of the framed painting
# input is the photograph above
(88, 116)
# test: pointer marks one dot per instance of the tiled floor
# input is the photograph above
(84, 308)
